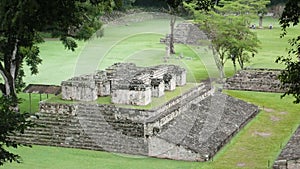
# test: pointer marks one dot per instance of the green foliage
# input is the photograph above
(11, 123)
(21, 22)
(290, 15)
(227, 27)
(290, 76)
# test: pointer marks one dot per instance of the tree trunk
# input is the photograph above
(260, 24)
(241, 62)
(171, 42)
(218, 61)
(8, 88)
(234, 64)
(9, 72)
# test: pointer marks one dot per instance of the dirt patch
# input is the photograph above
(262, 134)
(274, 118)
(268, 110)
(241, 164)
(283, 112)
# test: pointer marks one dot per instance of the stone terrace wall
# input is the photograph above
(264, 80)
(289, 158)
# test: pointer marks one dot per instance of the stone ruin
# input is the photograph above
(289, 158)
(186, 33)
(125, 83)
(192, 126)
(264, 80)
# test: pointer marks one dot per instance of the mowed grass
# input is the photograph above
(138, 42)
(272, 45)
(255, 146)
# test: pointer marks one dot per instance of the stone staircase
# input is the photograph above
(111, 133)
(208, 125)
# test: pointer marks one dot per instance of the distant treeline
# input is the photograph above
(150, 3)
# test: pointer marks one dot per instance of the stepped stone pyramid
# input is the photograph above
(186, 33)
(193, 126)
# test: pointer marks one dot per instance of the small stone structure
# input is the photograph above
(125, 83)
(289, 158)
(186, 33)
(265, 80)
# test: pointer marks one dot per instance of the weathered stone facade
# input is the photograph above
(180, 129)
(126, 83)
(265, 80)
(79, 88)
(186, 33)
(289, 158)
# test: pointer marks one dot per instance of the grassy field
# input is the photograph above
(256, 146)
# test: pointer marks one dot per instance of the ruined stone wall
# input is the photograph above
(171, 150)
(264, 80)
(289, 158)
(132, 97)
(81, 88)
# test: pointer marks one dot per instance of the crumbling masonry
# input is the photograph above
(125, 83)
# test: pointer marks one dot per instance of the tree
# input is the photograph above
(249, 8)
(11, 123)
(175, 7)
(290, 76)
(260, 6)
(243, 44)
(21, 22)
(226, 26)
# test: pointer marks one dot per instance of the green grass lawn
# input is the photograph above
(139, 43)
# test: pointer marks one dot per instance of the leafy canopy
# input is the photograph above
(290, 77)
(11, 123)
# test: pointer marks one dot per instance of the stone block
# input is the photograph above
(170, 82)
(79, 90)
(103, 88)
(181, 78)
(133, 97)
(157, 88)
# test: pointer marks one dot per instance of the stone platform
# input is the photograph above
(264, 80)
(192, 126)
